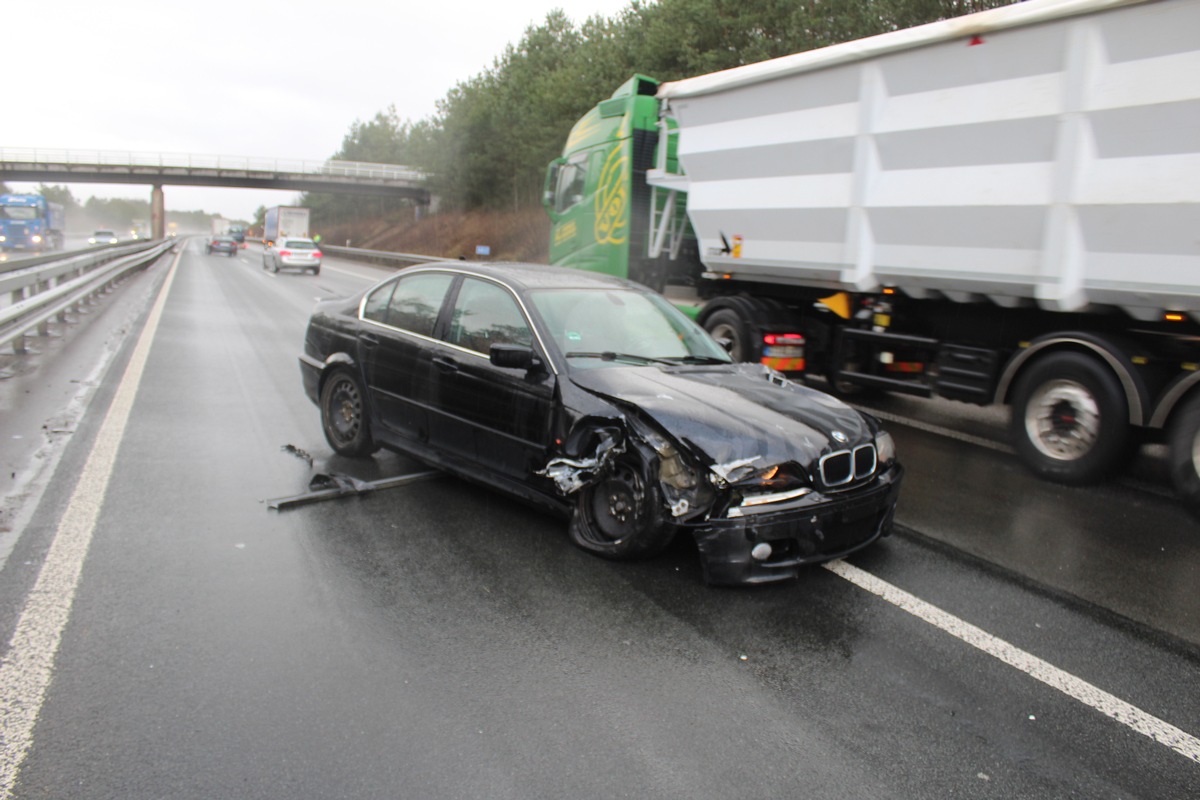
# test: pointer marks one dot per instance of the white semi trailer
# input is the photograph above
(998, 208)
(283, 221)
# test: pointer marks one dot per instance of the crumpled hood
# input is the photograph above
(727, 413)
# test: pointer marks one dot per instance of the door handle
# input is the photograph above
(368, 340)
(445, 364)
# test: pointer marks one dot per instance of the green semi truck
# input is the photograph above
(998, 208)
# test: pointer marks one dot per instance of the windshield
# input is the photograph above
(19, 212)
(598, 327)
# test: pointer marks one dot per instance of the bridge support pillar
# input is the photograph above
(158, 216)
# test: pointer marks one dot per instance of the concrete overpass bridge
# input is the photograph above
(178, 169)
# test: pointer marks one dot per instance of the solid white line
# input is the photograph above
(979, 441)
(1162, 732)
(28, 667)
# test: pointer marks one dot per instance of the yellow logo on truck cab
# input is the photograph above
(565, 231)
(612, 200)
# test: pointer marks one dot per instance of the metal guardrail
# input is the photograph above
(382, 256)
(10, 264)
(55, 285)
(345, 169)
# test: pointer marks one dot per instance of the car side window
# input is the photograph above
(416, 302)
(375, 309)
(486, 314)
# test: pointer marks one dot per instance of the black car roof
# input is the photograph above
(534, 276)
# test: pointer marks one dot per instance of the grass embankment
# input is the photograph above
(511, 236)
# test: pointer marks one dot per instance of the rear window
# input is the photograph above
(300, 244)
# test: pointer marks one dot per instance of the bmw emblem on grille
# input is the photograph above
(841, 437)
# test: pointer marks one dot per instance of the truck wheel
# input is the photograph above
(1184, 453)
(344, 415)
(620, 517)
(731, 332)
(1070, 422)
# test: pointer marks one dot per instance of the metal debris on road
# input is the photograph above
(327, 487)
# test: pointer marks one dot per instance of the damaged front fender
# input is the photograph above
(572, 474)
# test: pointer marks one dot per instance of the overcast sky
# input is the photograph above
(241, 78)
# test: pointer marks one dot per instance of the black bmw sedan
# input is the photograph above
(597, 399)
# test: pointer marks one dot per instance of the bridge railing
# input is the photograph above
(190, 161)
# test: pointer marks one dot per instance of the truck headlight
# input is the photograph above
(36, 239)
(885, 447)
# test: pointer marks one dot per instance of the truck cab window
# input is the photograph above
(571, 178)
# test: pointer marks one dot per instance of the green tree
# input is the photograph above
(493, 134)
(59, 194)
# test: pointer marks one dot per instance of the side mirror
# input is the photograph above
(514, 356)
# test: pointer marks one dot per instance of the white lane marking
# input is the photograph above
(370, 278)
(27, 668)
(1162, 732)
(939, 430)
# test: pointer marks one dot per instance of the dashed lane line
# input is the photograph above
(1146, 724)
(28, 666)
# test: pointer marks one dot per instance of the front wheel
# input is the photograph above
(1070, 421)
(620, 517)
(344, 415)
(1184, 453)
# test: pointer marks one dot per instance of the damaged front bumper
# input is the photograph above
(812, 530)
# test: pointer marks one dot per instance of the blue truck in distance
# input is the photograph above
(30, 222)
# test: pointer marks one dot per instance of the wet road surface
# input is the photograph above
(438, 640)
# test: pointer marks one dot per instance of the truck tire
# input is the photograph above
(732, 332)
(1070, 420)
(1184, 453)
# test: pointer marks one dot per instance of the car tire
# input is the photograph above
(1070, 420)
(620, 517)
(344, 415)
(316, 270)
(1184, 453)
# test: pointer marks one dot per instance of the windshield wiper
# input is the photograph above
(697, 360)
(609, 355)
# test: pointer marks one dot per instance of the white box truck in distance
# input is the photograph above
(1002, 208)
(282, 221)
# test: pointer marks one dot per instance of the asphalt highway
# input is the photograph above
(167, 635)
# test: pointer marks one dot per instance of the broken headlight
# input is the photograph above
(885, 448)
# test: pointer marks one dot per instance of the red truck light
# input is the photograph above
(783, 351)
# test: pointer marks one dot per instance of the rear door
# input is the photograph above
(395, 346)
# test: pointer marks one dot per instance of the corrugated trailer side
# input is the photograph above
(1046, 152)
